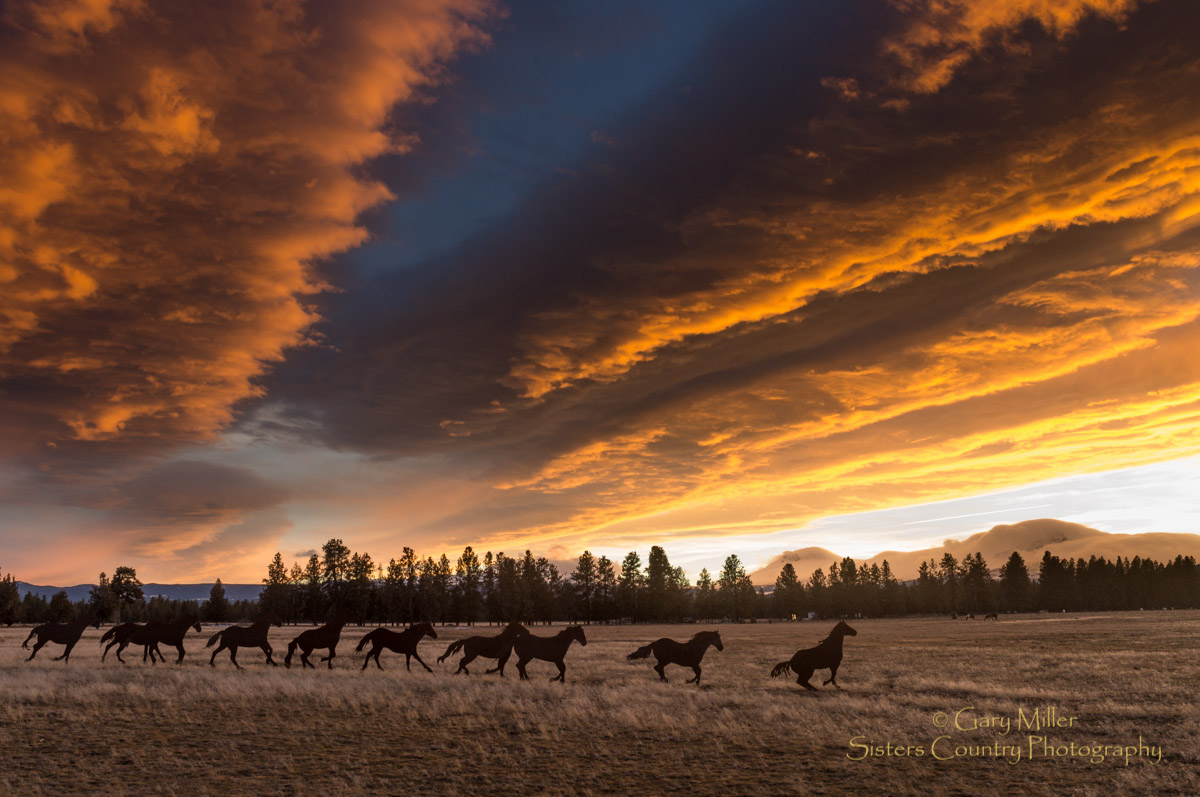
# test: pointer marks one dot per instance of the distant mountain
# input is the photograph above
(1030, 538)
(179, 592)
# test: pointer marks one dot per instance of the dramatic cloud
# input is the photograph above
(171, 175)
(847, 257)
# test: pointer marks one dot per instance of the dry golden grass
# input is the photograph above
(613, 727)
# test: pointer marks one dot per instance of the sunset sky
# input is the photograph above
(724, 277)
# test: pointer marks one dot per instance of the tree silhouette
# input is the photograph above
(216, 609)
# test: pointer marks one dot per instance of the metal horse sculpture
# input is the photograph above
(685, 654)
(242, 636)
(405, 642)
(547, 648)
(490, 647)
(828, 654)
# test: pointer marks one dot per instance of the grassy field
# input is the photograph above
(613, 728)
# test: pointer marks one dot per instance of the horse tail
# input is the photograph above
(641, 653)
(455, 647)
(781, 668)
(213, 639)
(287, 660)
(108, 635)
(362, 643)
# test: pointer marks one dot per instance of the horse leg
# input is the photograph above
(233, 656)
(66, 656)
(119, 649)
(562, 673)
(330, 657)
(179, 647)
(367, 659)
(304, 659)
(408, 662)
(417, 656)
(266, 647)
(659, 668)
(521, 669)
(462, 665)
(212, 660)
(500, 662)
(696, 680)
(104, 655)
(36, 647)
(802, 677)
(832, 676)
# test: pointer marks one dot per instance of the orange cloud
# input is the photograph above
(170, 177)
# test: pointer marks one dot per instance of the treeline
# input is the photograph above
(120, 598)
(500, 589)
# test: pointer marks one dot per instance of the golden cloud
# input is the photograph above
(170, 174)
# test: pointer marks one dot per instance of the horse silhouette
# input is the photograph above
(245, 636)
(685, 654)
(398, 642)
(828, 654)
(547, 648)
(325, 638)
(127, 634)
(60, 634)
(490, 647)
(169, 633)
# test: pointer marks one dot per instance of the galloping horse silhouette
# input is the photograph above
(547, 648)
(169, 633)
(325, 637)
(685, 654)
(403, 642)
(828, 654)
(490, 647)
(124, 635)
(60, 634)
(243, 636)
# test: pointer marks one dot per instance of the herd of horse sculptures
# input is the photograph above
(515, 638)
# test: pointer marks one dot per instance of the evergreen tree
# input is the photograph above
(61, 609)
(584, 579)
(705, 600)
(732, 582)
(10, 600)
(470, 585)
(1015, 585)
(216, 609)
(274, 596)
(127, 589)
(101, 600)
(335, 571)
(789, 594)
(631, 587)
(314, 603)
(658, 577)
(606, 588)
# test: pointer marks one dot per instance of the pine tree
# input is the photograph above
(60, 609)
(606, 587)
(335, 569)
(101, 600)
(788, 593)
(1014, 584)
(584, 579)
(216, 609)
(631, 587)
(470, 583)
(127, 589)
(274, 596)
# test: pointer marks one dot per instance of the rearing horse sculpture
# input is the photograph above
(685, 654)
(60, 634)
(326, 638)
(490, 647)
(241, 636)
(552, 648)
(827, 654)
(403, 642)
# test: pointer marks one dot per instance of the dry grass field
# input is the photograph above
(613, 728)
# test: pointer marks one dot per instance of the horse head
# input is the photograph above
(576, 632)
(710, 638)
(426, 629)
(195, 622)
(843, 630)
(271, 617)
(516, 629)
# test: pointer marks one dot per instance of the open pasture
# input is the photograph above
(613, 727)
